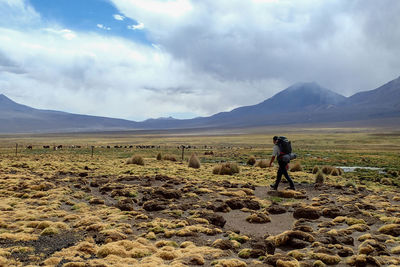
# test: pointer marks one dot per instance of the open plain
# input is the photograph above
(72, 199)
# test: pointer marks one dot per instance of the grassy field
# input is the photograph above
(92, 205)
(328, 146)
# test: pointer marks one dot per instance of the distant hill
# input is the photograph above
(305, 103)
(17, 118)
(387, 95)
(300, 103)
(298, 98)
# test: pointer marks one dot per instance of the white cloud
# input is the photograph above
(345, 47)
(101, 26)
(139, 26)
(18, 13)
(118, 17)
(170, 8)
(123, 77)
(205, 56)
(65, 33)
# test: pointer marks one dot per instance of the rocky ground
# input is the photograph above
(76, 219)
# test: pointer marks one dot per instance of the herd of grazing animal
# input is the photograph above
(59, 147)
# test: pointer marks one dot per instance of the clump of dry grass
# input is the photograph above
(319, 177)
(112, 249)
(135, 159)
(217, 169)
(350, 184)
(335, 172)
(386, 181)
(327, 169)
(315, 169)
(230, 263)
(326, 258)
(262, 163)
(50, 231)
(159, 156)
(296, 167)
(194, 162)
(251, 161)
(228, 168)
(169, 157)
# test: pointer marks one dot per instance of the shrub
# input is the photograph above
(326, 258)
(350, 184)
(228, 168)
(135, 159)
(234, 167)
(159, 157)
(251, 161)
(315, 169)
(169, 157)
(50, 231)
(335, 172)
(194, 162)
(262, 163)
(386, 181)
(217, 169)
(319, 177)
(296, 167)
(327, 169)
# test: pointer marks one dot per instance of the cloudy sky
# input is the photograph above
(137, 59)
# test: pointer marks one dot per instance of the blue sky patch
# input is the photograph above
(98, 16)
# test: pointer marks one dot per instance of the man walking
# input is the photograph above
(283, 166)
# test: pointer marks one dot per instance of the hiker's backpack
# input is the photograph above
(284, 145)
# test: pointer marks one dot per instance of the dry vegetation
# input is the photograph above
(138, 160)
(228, 168)
(296, 167)
(263, 163)
(251, 161)
(65, 208)
(194, 162)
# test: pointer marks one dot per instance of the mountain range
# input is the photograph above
(301, 103)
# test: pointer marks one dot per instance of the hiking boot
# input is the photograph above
(290, 188)
(272, 186)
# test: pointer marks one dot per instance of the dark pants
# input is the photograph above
(282, 170)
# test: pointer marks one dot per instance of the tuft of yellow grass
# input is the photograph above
(327, 169)
(315, 169)
(50, 231)
(251, 161)
(194, 162)
(335, 172)
(112, 249)
(136, 159)
(228, 168)
(262, 164)
(230, 263)
(296, 167)
(389, 228)
(19, 236)
(319, 177)
(396, 250)
(326, 258)
(287, 263)
(169, 157)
